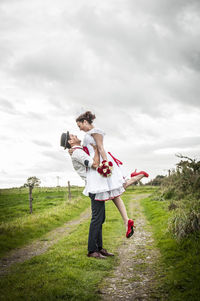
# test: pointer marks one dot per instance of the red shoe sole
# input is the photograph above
(134, 174)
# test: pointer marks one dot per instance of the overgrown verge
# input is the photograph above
(180, 258)
(65, 272)
(182, 189)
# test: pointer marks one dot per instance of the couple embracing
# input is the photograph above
(104, 179)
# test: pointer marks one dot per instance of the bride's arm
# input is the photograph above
(99, 142)
(96, 159)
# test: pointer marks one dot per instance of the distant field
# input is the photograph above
(51, 208)
(15, 202)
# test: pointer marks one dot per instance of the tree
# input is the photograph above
(156, 181)
(31, 183)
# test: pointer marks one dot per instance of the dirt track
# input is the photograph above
(133, 278)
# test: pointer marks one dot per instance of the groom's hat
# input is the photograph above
(64, 140)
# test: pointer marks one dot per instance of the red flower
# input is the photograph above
(100, 170)
(105, 168)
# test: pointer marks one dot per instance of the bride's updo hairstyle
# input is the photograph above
(86, 116)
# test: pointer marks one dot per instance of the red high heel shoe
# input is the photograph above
(130, 230)
(139, 173)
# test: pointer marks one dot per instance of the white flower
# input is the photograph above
(104, 170)
(106, 163)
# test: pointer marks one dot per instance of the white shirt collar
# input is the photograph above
(77, 146)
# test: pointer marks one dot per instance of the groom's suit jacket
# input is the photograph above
(81, 161)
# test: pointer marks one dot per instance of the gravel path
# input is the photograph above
(40, 246)
(133, 278)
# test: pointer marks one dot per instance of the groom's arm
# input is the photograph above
(80, 156)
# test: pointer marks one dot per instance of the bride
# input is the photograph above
(106, 188)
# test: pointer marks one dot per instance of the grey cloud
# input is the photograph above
(34, 115)
(10, 2)
(186, 142)
(123, 38)
(51, 166)
(194, 60)
(7, 106)
(55, 155)
(6, 52)
(8, 20)
(54, 63)
(3, 172)
(129, 50)
(56, 103)
(178, 143)
(166, 12)
(42, 143)
(62, 106)
(184, 87)
(43, 168)
(123, 61)
(5, 138)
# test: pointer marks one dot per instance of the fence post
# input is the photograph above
(69, 191)
(30, 198)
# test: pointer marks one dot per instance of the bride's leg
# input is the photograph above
(122, 209)
(133, 180)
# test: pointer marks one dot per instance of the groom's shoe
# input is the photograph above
(97, 255)
(104, 252)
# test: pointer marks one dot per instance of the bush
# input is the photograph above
(184, 181)
(182, 188)
(157, 181)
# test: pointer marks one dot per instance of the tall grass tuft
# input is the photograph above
(185, 219)
(182, 189)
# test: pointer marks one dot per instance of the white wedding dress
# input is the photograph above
(104, 188)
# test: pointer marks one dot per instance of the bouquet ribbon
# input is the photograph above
(118, 162)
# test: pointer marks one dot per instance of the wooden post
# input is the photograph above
(69, 191)
(30, 198)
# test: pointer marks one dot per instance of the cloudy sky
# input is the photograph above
(134, 63)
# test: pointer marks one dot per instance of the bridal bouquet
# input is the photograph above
(105, 168)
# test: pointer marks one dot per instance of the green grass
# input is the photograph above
(14, 203)
(180, 260)
(65, 272)
(50, 210)
(142, 189)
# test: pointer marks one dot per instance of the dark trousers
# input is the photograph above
(95, 243)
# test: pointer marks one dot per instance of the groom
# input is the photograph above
(81, 161)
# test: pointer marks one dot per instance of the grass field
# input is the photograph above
(64, 272)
